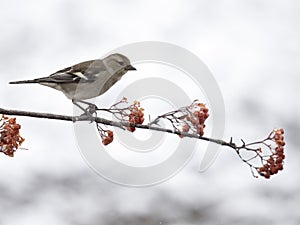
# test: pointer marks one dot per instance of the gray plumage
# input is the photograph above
(87, 79)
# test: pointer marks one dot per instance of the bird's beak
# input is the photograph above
(130, 67)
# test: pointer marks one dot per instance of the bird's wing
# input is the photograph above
(83, 72)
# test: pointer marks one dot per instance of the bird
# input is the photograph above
(87, 79)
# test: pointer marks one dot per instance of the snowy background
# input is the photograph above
(251, 46)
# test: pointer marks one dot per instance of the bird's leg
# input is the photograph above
(89, 111)
(92, 108)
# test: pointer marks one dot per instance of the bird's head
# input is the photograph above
(118, 62)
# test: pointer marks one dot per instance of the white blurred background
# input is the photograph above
(251, 46)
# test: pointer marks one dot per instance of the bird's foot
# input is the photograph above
(87, 116)
(92, 109)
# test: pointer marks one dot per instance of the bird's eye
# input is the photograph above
(121, 63)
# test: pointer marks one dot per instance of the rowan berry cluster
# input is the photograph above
(266, 156)
(136, 115)
(107, 136)
(10, 138)
(132, 114)
(275, 162)
(189, 119)
(197, 113)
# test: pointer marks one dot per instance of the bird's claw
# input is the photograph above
(88, 116)
(92, 109)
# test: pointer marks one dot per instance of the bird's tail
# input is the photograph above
(23, 82)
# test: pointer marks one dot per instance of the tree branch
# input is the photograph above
(104, 121)
(269, 152)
